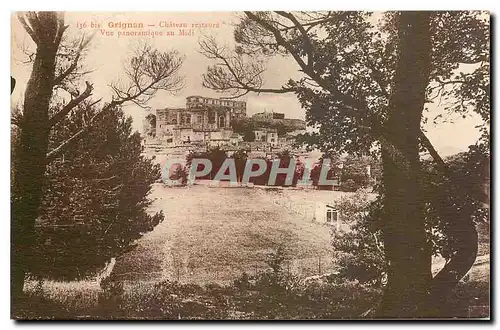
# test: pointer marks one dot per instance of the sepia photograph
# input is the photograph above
(253, 165)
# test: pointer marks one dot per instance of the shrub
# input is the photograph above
(359, 251)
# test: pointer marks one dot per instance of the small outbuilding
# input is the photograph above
(327, 214)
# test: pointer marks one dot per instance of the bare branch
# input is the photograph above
(53, 154)
(71, 104)
(61, 29)
(233, 73)
(426, 143)
(305, 37)
(28, 28)
(279, 39)
(149, 71)
(84, 42)
(231, 78)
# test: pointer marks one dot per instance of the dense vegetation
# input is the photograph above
(247, 126)
(366, 81)
(94, 206)
(351, 172)
(79, 182)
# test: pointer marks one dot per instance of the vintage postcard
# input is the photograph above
(250, 165)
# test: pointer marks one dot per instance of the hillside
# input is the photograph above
(215, 234)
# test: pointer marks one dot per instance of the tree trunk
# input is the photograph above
(406, 248)
(462, 232)
(31, 148)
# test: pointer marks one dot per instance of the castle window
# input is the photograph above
(211, 117)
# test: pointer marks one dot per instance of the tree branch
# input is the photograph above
(280, 40)
(54, 153)
(350, 101)
(240, 76)
(71, 104)
(149, 71)
(28, 28)
(443, 167)
(426, 143)
(61, 29)
(305, 37)
(356, 107)
(74, 63)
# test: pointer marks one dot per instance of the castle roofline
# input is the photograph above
(215, 98)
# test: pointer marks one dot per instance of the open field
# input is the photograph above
(215, 234)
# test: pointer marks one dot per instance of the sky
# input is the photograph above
(107, 54)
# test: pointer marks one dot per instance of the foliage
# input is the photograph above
(467, 190)
(95, 198)
(240, 159)
(216, 155)
(249, 136)
(180, 173)
(354, 173)
(96, 229)
(276, 294)
(151, 122)
(247, 126)
(351, 172)
(364, 87)
(348, 59)
(335, 297)
(359, 250)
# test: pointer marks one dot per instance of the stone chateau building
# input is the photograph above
(279, 118)
(204, 120)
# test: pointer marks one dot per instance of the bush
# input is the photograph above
(274, 294)
(95, 198)
(359, 251)
(180, 173)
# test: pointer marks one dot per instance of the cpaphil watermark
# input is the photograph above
(294, 173)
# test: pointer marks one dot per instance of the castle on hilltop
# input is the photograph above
(204, 120)
(210, 122)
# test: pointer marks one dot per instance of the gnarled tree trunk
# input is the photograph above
(406, 248)
(30, 162)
